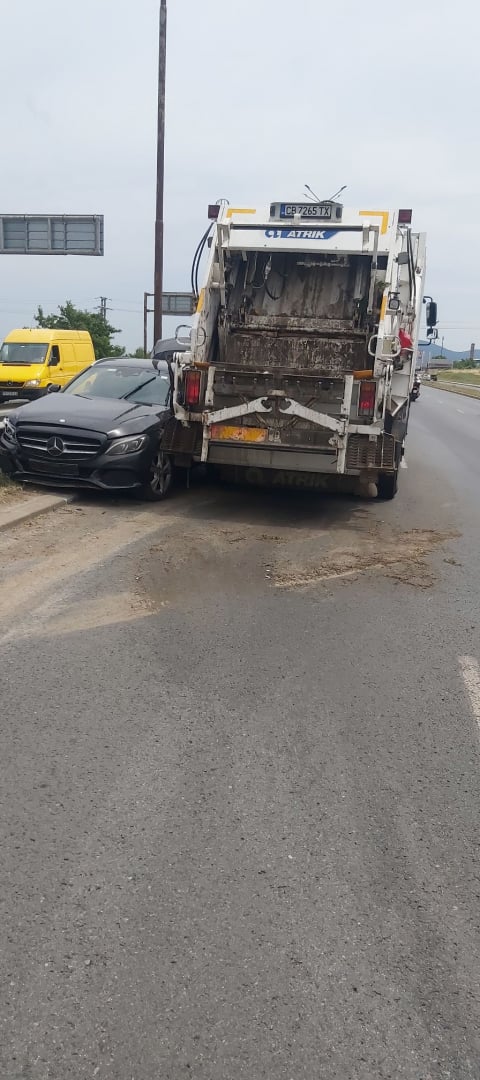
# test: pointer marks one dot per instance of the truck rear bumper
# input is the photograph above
(287, 408)
(363, 456)
(268, 457)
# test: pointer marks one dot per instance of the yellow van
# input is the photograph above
(30, 360)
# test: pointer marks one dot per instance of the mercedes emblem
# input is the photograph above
(55, 446)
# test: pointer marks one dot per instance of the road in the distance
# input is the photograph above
(240, 781)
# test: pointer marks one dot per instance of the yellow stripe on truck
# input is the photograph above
(383, 214)
(239, 210)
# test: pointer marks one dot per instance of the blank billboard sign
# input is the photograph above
(56, 234)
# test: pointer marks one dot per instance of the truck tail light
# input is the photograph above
(366, 398)
(192, 387)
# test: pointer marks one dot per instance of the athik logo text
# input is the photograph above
(300, 234)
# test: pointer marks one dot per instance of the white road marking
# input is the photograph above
(461, 412)
(403, 463)
(471, 676)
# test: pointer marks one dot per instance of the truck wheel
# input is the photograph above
(387, 485)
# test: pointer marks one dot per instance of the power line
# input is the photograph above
(127, 311)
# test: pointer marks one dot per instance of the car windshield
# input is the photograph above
(141, 385)
(16, 352)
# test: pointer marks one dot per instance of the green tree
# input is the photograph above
(73, 318)
(466, 364)
(140, 354)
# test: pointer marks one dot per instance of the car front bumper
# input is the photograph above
(107, 472)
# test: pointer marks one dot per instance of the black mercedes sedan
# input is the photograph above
(103, 430)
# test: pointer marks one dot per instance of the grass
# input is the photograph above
(462, 376)
(466, 391)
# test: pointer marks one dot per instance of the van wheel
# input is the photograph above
(158, 485)
(387, 485)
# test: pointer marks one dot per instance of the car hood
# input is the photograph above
(97, 414)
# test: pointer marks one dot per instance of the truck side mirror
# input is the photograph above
(431, 314)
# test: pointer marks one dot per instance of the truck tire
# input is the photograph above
(387, 485)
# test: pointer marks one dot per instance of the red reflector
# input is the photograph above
(192, 387)
(213, 211)
(366, 399)
(404, 217)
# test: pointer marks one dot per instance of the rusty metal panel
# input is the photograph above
(312, 287)
(326, 356)
(234, 385)
(232, 389)
(296, 312)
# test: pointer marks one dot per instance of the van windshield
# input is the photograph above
(15, 352)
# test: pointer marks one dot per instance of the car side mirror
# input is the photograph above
(53, 388)
(54, 360)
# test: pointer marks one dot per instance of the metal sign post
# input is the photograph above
(173, 303)
(158, 275)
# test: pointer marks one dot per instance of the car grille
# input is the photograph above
(39, 443)
(53, 468)
(6, 384)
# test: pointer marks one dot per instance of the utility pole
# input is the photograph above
(158, 281)
(472, 352)
(146, 311)
(103, 307)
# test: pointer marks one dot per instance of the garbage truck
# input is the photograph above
(300, 364)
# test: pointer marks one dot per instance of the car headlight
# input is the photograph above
(130, 445)
(32, 382)
(9, 431)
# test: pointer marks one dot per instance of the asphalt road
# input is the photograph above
(240, 764)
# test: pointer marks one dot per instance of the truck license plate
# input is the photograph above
(238, 434)
(317, 211)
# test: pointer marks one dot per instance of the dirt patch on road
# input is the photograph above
(102, 564)
(398, 555)
(10, 492)
(42, 559)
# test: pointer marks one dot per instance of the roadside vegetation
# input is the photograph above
(453, 388)
(471, 375)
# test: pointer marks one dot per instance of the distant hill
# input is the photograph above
(429, 351)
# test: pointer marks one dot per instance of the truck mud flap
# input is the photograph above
(178, 439)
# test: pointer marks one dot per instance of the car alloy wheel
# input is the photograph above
(161, 473)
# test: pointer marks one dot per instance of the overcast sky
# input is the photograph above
(262, 96)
